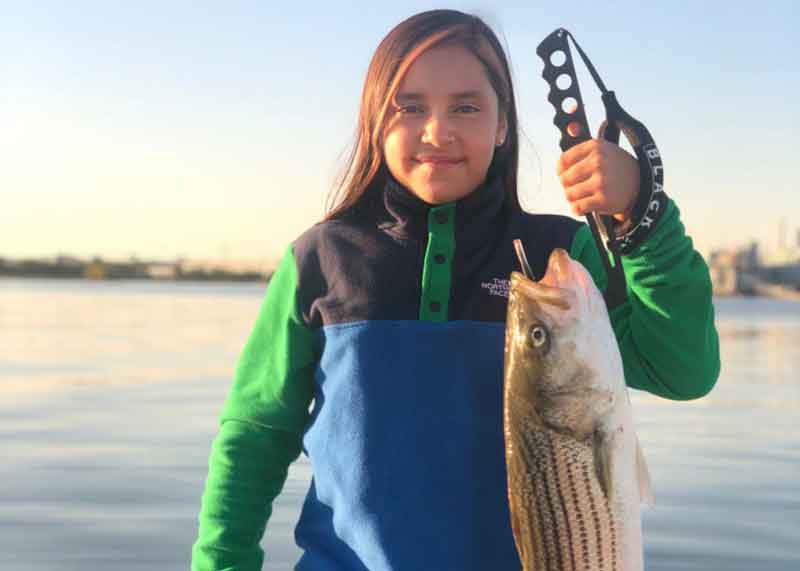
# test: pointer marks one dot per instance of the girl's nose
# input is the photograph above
(437, 131)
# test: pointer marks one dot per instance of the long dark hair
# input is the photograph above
(365, 173)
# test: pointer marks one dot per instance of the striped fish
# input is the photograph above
(576, 475)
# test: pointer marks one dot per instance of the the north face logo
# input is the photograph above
(497, 287)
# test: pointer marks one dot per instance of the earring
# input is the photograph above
(500, 143)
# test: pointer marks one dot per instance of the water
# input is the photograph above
(109, 394)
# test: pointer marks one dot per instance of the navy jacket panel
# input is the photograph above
(370, 267)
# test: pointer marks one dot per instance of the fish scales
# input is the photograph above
(567, 519)
(576, 475)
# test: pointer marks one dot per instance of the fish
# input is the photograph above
(576, 474)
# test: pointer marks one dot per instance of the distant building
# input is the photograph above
(69, 261)
(787, 253)
(162, 270)
(725, 272)
(95, 270)
(99, 269)
(258, 266)
(743, 271)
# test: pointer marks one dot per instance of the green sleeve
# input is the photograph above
(260, 431)
(665, 329)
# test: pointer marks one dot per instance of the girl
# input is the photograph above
(389, 317)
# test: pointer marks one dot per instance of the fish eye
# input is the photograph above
(537, 336)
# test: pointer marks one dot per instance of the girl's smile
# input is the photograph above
(440, 162)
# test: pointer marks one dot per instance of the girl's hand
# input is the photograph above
(598, 176)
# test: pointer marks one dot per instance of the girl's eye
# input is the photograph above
(467, 109)
(407, 109)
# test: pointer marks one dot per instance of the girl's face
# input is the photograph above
(441, 137)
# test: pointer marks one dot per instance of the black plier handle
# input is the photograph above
(565, 96)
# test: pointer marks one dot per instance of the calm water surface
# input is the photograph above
(109, 394)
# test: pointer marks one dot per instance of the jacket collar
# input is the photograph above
(477, 214)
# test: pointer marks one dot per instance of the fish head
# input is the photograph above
(557, 337)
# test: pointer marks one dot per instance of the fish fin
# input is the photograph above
(646, 495)
(602, 461)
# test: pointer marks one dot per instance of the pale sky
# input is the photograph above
(215, 129)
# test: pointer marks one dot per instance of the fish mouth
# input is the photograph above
(540, 292)
(550, 288)
(558, 268)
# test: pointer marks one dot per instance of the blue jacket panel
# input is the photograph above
(407, 450)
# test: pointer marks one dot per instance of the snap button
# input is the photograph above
(435, 306)
(441, 217)
(439, 258)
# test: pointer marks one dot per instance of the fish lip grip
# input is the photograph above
(651, 201)
(554, 44)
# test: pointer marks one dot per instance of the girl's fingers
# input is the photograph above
(575, 155)
(585, 206)
(576, 174)
(580, 191)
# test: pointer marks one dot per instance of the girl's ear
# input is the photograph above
(502, 131)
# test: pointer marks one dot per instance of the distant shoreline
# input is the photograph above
(97, 269)
(233, 278)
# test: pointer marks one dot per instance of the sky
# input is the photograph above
(215, 130)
